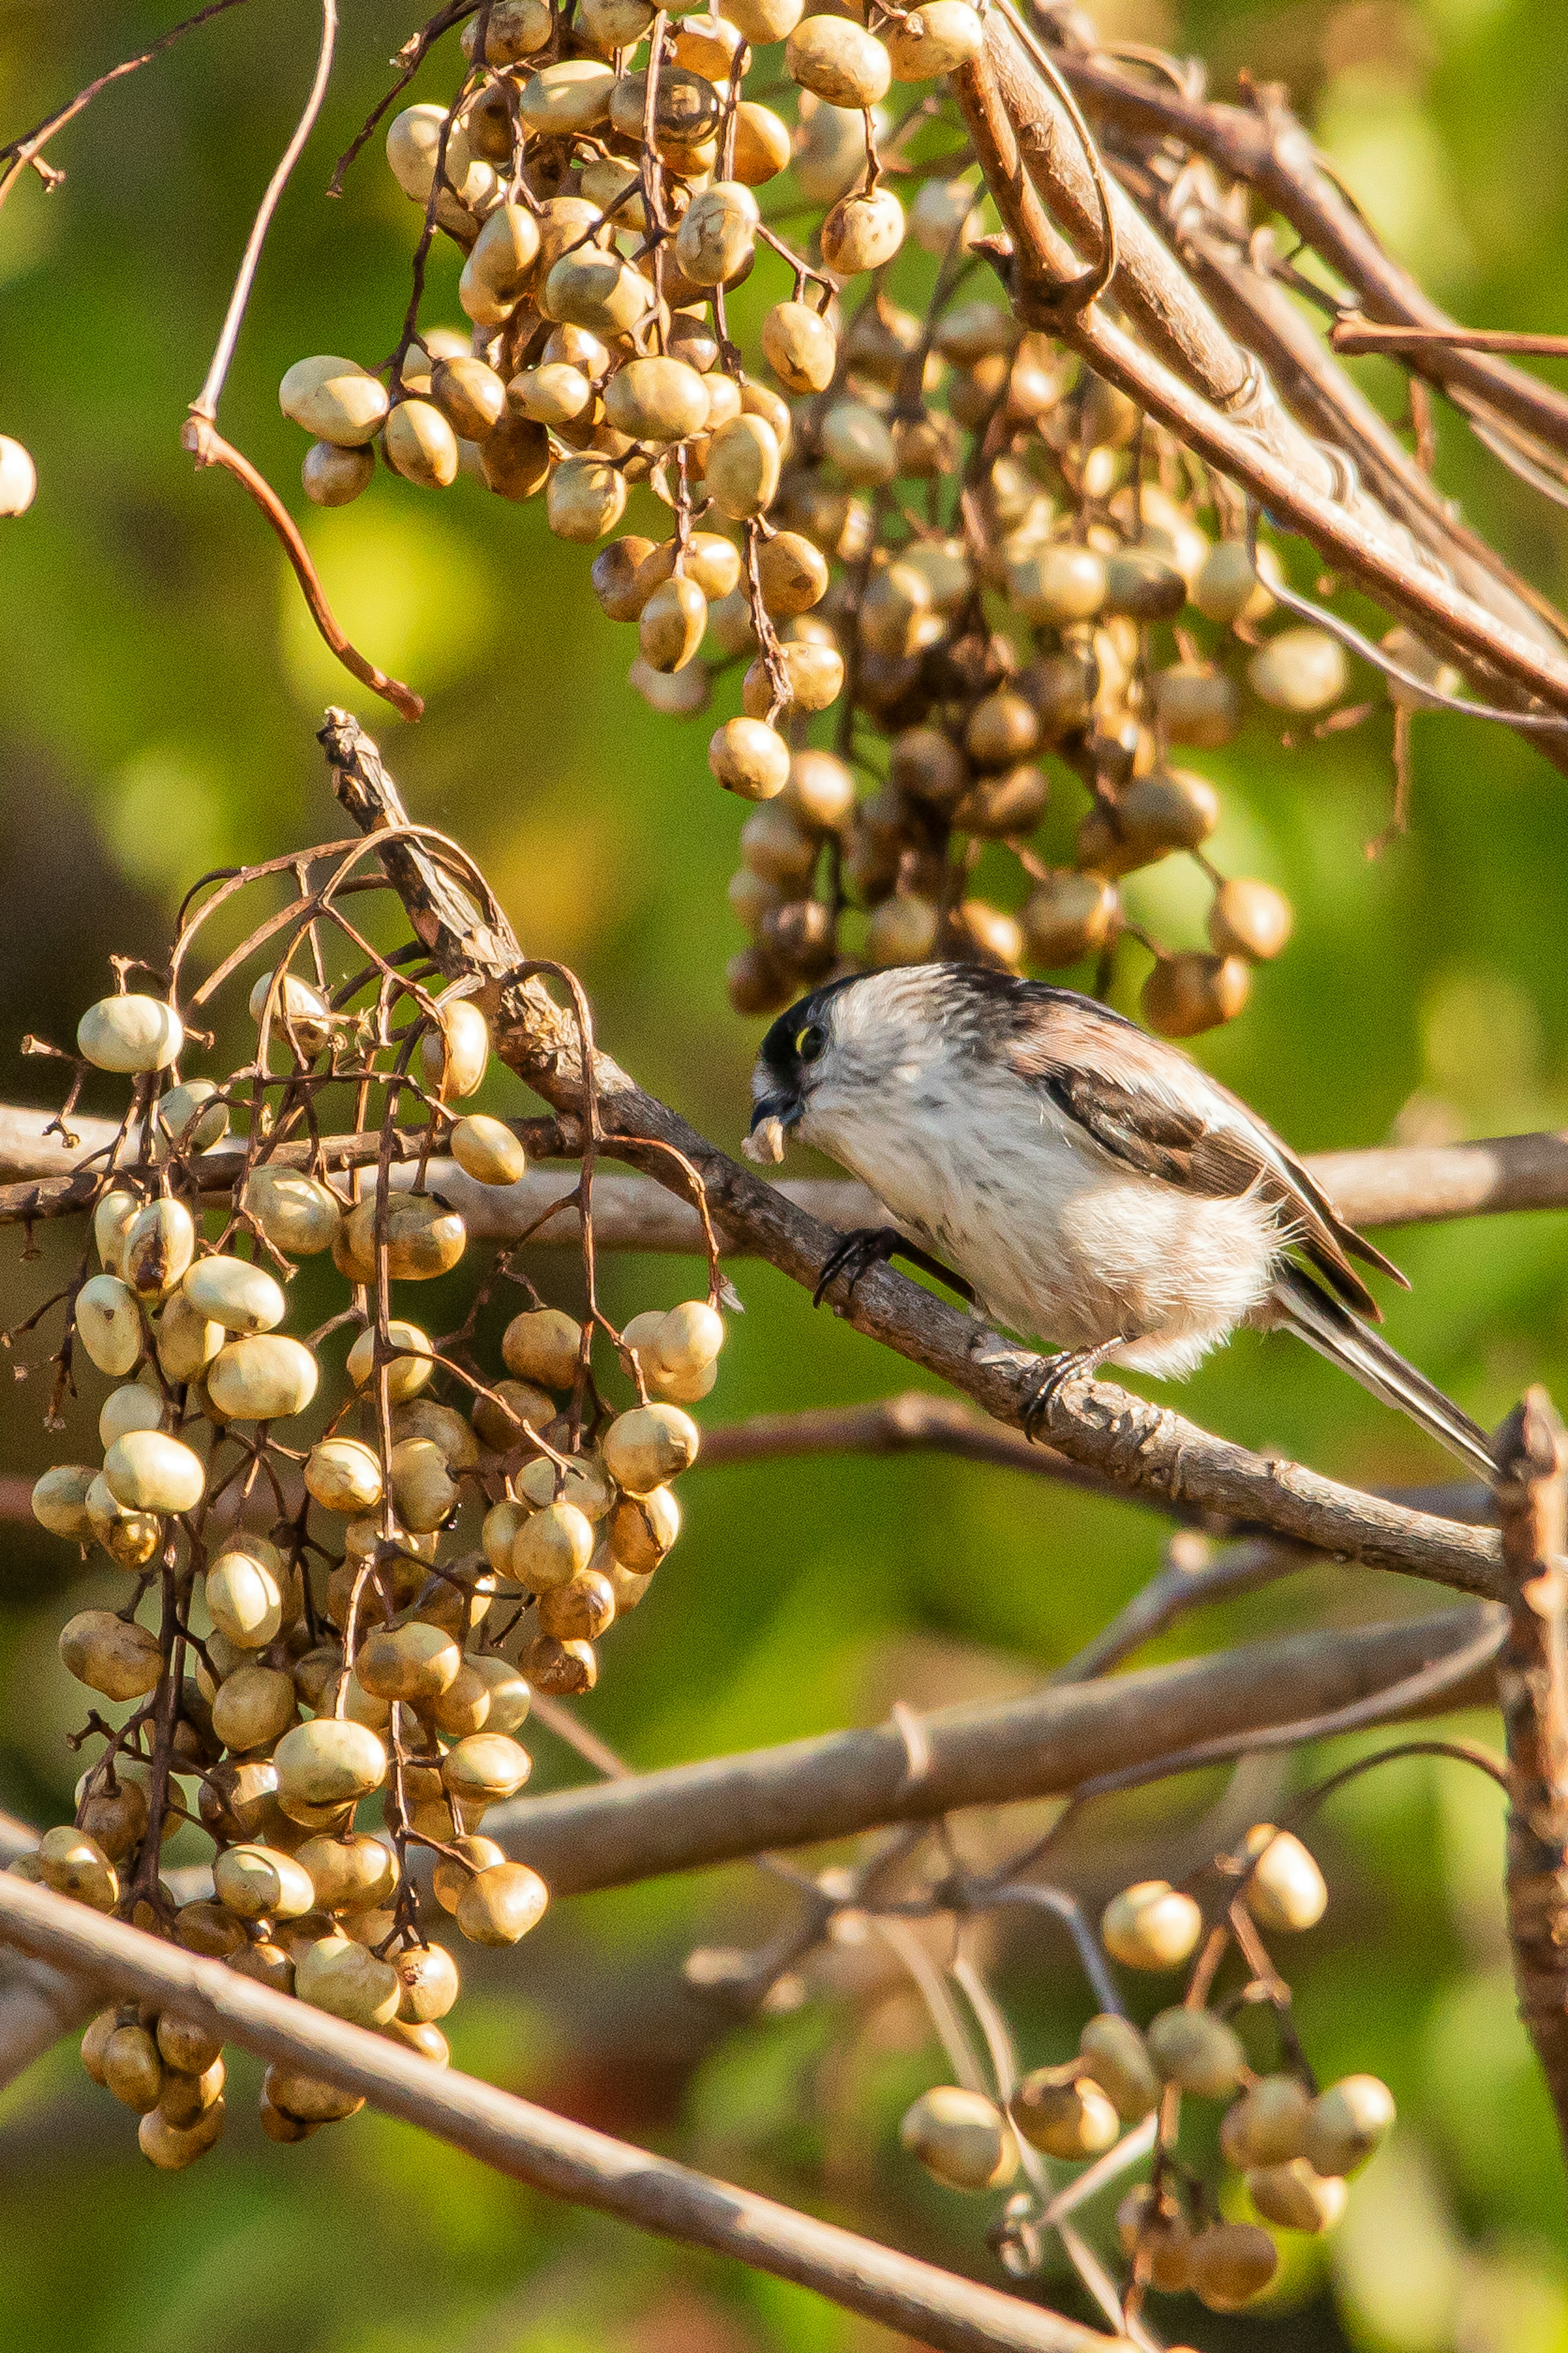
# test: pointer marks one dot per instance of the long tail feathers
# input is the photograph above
(1335, 1333)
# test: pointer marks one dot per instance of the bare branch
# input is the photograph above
(1532, 1686)
(613, 1834)
(567, 2161)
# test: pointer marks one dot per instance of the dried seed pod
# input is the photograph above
(1170, 809)
(450, 1878)
(863, 232)
(146, 1470)
(414, 1663)
(1347, 2122)
(256, 1882)
(254, 1707)
(688, 1337)
(961, 2138)
(1141, 585)
(820, 792)
(755, 982)
(186, 1341)
(60, 1500)
(934, 37)
(423, 1488)
(208, 1929)
(901, 930)
(306, 2099)
(299, 1214)
(813, 678)
(117, 1816)
(327, 1763)
(340, 1976)
(470, 395)
(1057, 584)
(580, 1610)
(130, 1034)
(1157, 2236)
(501, 1903)
(112, 1222)
(1227, 588)
(514, 29)
(335, 400)
(838, 60)
(413, 1357)
(344, 1475)
(129, 1538)
(454, 1057)
(762, 144)
(1003, 727)
(717, 240)
(262, 1377)
(554, 394)
(244, 1595)
(485, 1768)
(413, 151)
(171, 2148)
(1286, 1889)
(1188, 993)
(657, 400)
(643, 1528)
(543, 1345)
(191, 1118)
(509, 1698)
(791, 573)
(1198, 2050)
(762, 21)
(800, 347)
(672, 623)
(499, 1418)
(444, 1425)
(568, 97)
(109, 1655)
(585, 1486)
(189, 2049)
(465, 1705)
(748, 757)
(1069, 916)
(649, 1445)
(1064, 2114)
(1231, 2263)
(988, 933)
(616, 570)
(742, 466)
(298, 1012)
(514, 460)
(551, 1546)
(1300, 670)
(596, 290)
(1267, 2125)
(1249, 919)
(420, 445)
(423, 1238)
(133, 2069)
(1151, 1925)
(357, 1874)
(586, 498)
(234, 1293)
(1117, 2058)
(18, 477)
(71, 1862)
(976, 331)
(428, 1976)
(486, 1150)
(711, 561)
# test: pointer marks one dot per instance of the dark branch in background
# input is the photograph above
(1532, 1686)
(530, 2143)
(1143, 1449)
(726, 1809)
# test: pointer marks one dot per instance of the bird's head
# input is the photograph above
(848, 1053)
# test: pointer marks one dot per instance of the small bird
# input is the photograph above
(1078, 1180)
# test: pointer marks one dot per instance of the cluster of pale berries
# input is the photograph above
(1293, 2145)
(1061, 605)
(388, 1681)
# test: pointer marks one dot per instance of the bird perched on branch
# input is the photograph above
(1084, 1183)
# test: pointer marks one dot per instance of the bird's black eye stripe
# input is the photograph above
(809, 1044)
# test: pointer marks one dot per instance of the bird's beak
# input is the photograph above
(772, 1119)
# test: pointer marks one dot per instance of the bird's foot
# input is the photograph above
(869, 1246)
(1046, 1386)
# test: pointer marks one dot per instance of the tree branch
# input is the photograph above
(688, 1816)
(1269, 149)
(1188, 373)
(530, 2144)
(1532, 1686)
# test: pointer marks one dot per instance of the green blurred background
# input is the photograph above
(159, 687)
